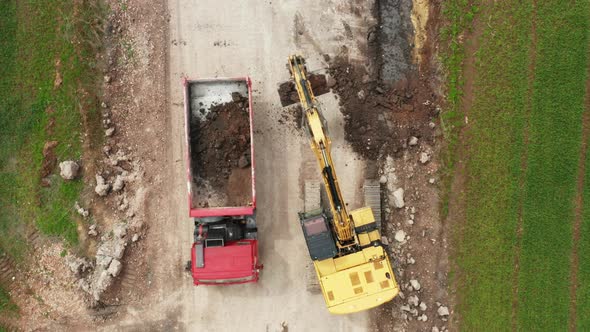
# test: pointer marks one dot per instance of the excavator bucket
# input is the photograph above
(288, 92)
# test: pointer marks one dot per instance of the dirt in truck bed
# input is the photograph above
(221, 160)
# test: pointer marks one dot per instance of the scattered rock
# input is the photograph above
(383, 179)
(415, 284)
(431, 125)
(405, 308)
(413, 141)
(102, 187)
(384, 240)
(431, 180)
(120, 230)
(135, 237)
(118, 184)
(410, 221)
(423, 318)
(92, 230)
(411, 260)
(104, 105)
(101, 282)
(78, 265)
(400, 236)
(115, 268)
(434, 329)
(398, 198)
(423, 306)
(443, 311)
(68, 169)
(81, 211)
(107, 78)
(413, 300)
(109, 132)
(361, 95)
(424, 157)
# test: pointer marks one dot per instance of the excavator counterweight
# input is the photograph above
(352, 267)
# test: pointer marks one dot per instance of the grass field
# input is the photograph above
(522, 146)
(39, 39)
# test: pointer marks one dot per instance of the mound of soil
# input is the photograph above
(220, 146)
(379, 120)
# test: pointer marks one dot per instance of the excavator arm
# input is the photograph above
(320, 144)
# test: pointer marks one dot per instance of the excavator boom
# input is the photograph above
(353, 269)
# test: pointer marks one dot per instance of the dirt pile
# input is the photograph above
(380, 120)
(220, 147)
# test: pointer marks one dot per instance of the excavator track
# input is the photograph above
(312, 202)
(372, 192)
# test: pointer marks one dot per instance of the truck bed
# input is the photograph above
(219, 141)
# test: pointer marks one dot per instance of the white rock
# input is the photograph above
(415, 284)
(413, 141)
(423, 318)
(104, 105)
(384, 240)
(81, 211)
(410, 222)
(103, 260)
(398, 198)
(102, 187)
(102, 281)
(414, 312)
(135, 237)
(405, 308)
(361, 95)
(413, 300)
(411, 260)
(383, 179)
(443, 311)
(431, 125)
(115, 268)
(434, 329)
(68, 169)
(92, 232)
(109, 132)
(431, 180)
(120, 230)
(400, 236)
(423, 306)
(424, 157)
(118, 184)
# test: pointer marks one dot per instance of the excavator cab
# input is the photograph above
(318, 236)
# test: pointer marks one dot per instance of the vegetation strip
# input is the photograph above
(555, 136)
(523, 163)
(579, 209)
(580, 314)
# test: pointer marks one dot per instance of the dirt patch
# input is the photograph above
(220, 148)
(288, 92)
(381, 121)
(49, 159)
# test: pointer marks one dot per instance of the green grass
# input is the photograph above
(35, 35)
(503, 112)
(460, 14)
(6, 305)
(550, 182)
(583, 291)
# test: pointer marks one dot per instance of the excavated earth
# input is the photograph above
(220, 153)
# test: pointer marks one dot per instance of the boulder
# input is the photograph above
(415, 284)
(115, 268)
(398, 198)
(102, 187)
(443, 311)
(68, 169)
(400, 236)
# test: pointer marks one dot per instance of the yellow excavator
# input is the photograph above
(351, 265)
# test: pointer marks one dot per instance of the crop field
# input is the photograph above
(515, 250)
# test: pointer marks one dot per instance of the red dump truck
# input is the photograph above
(221, 188)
